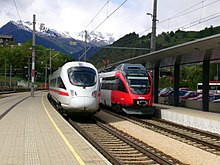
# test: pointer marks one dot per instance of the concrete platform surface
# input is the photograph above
(33, 133)
(207, 121)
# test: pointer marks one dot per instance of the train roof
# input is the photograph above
(122, 67)
(79, 64)
(68, 65)
(128, 66)
(107, 74)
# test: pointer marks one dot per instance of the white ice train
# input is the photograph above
(75, 88)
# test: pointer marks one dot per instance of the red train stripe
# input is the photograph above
(60, 92)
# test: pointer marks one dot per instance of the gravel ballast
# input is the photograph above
(181, 151)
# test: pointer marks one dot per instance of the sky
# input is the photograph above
(115, 17)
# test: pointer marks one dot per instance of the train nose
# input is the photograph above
(90, 103)
(84, 103)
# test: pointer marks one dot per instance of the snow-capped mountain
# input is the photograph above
(96, 38)
(41, 29)
(60, 41)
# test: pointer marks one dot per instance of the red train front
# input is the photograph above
(128, 88)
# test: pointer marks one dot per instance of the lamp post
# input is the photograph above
(154, 26)
(33, 58)
(51, 60)
(50, 64)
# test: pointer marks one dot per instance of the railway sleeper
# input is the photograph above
(113, 143)
(139, 158)
(127, 152)
(139, 162)
(122, 149)
(132, 156)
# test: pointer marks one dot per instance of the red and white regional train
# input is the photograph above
(128, 89)
(75, 88)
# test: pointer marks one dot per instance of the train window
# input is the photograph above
(121, 86)
(139, 85)
(82, 76)
(103, 86)
(109, 83)
(108, 78)
(60, 83)
(53, 82)
(106, 85)
(113, 83)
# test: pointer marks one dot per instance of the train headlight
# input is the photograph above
(148, 90)
(94, 93)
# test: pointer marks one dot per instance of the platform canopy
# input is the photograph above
(191, 52)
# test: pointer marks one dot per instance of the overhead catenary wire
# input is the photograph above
(191, 11)
(182, 13)
(17, 11)
(20, 20)
(98, 13)
(108, 16)
(188, 11)
(205, 19)
(119, 47)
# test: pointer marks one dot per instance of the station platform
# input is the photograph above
(33, 132)
(207, 121)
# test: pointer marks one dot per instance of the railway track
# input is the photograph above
(209, 142)
(10, 105)
(118, 147)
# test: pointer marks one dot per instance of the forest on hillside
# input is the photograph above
(190, 75)
(15, 61)
(121, 49)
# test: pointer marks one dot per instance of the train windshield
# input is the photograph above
(82, 76)
(138, 81)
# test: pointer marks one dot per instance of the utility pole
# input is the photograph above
(29, 71)
(154, 26)
(86, 35)
(10, 74)
(45, 83)
(5, 72)
(33, 58)
(152, 49)
(50, 61)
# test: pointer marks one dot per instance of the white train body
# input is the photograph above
(76, 88)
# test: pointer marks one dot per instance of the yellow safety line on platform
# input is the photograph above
(63, 137)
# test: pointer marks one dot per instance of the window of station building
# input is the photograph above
(60, 83)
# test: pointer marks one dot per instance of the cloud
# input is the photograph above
(74, 15)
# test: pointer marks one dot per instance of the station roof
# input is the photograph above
(191, 52)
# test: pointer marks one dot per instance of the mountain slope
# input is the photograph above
(49, 38)
(132, 40)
